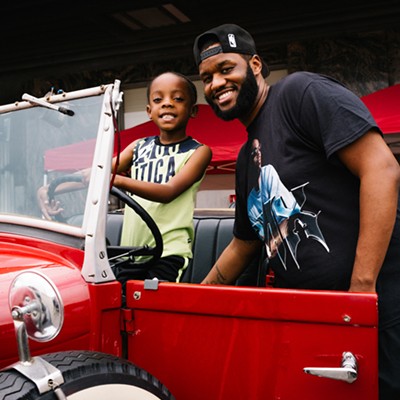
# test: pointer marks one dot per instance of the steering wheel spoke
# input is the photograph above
(115, 252)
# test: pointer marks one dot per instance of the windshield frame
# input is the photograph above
(28, 221)
(96, 267)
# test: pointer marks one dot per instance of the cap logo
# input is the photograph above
(232, 40)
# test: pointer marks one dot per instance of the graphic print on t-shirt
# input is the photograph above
(277, 217)
(154, 163)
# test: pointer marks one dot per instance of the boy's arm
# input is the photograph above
(52, 208)
(193, 170)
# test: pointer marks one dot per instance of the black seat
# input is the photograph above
(213, 232)
(212, 235)
(114, 228)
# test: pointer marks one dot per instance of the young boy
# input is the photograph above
(166, 171)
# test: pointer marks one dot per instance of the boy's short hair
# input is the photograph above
(191, 86)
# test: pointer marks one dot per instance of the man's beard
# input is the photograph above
(245, 100)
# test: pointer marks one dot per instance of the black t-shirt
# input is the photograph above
(303, 203)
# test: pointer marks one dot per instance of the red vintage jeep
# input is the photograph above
(68, 333)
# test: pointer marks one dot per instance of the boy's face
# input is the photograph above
(170, 104)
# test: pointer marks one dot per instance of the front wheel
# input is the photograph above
(88, 375)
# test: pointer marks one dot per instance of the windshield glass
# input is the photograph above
(38, 145)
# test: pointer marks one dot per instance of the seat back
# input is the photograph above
(114, 228)
(213, 232)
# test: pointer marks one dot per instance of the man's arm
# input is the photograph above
(371, 160)
(232, 262)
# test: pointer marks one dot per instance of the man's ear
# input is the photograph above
(194, 111)
(148, 110)
(256, 64)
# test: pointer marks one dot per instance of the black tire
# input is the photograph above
(84, 373)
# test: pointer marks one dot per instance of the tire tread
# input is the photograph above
(80, 368)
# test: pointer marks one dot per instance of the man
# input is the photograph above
(326, 150)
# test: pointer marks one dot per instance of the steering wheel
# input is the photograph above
(55, 183)
(118, 255)
(116, 252)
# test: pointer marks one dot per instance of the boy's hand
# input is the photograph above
(48, 208)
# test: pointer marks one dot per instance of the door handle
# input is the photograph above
(348, 371)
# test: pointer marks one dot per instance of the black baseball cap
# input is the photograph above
(231, 38)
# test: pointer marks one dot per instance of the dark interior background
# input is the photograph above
(77, 44)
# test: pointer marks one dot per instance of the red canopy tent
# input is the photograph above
(384, 105)
(224, 139)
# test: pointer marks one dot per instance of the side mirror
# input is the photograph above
(36, 309)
